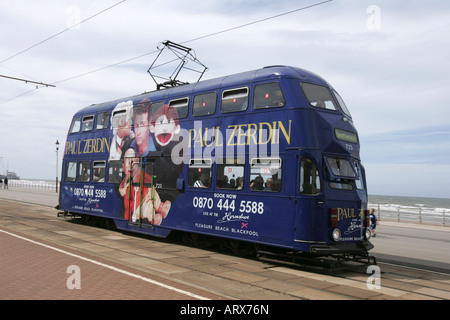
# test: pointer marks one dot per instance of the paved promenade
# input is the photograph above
(35, 267)
(33, 270)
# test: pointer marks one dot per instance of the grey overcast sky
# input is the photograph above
(388, 59)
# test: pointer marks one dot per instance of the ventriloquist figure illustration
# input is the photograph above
(166, 130)
(141, 200)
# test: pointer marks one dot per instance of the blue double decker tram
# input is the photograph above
(266, 158)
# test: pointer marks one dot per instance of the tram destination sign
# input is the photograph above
(346, 136)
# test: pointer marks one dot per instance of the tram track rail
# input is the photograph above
(387, 259)
(216, 271)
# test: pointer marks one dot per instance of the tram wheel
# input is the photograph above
(197, 240)
(241, 249)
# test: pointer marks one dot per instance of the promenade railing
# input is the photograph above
(417, 214)
(440, 216)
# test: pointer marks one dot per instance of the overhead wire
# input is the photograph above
(61, 32)
(155, 51)
(195, 39)
(258, 21)
(49, 38)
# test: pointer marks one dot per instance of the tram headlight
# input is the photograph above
(336, 234)
(368, 233)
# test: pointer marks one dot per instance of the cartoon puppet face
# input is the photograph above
(165, 125)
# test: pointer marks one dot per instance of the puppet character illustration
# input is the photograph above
(166, 130)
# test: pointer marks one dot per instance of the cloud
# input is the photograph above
(394, 78)
(408, 179)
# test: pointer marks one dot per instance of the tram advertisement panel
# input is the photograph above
(147, 150)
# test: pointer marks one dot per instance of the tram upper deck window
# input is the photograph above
(265, 174)
(71, 171)
(319, 96)
(342, 104)
(121, 118)
(200, 173)
(88, 123)
(84, 173)
(75, 126)
(204, 104)
(234, 100)
(268, 95)
(103, 120)
(182, 107)
(230, 174)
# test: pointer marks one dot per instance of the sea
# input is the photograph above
(411, 209)
(399, 208)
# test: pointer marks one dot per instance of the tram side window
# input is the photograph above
(99, 171)
(88, 123)
(340, 173)
(234, 100)
(115, 171)
(182, 107)
(319, 96)
(230, 174)
(265, 174)
(76, 125)
(121, 118)
(342, 104)
(200, 173)
(154, 106)
(340, 167)
(71, 171)
(84, 172)
(102, 121)
(204, 104)
(359, 182)
(309, 177)
(268, 95)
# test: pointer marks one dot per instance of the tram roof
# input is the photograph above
(264, 74)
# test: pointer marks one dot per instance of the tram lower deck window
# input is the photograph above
(71, 171)
(265, 174)
(230, 174)
(359, 182)
(99, 171)
(200, 173)
(340, 172)
(84, 171)
(115, 171)
(309, 177)
(344, 185)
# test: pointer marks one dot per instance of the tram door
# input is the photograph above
(142, 196)
(311, 210)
